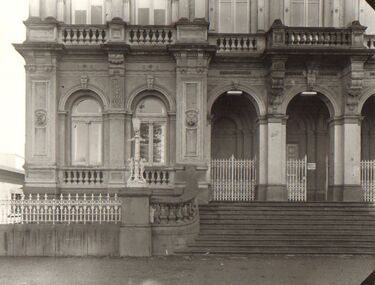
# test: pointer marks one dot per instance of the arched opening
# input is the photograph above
(233, 148)
(308, 141)
(368, 130)
(86, 132)
(233, 128)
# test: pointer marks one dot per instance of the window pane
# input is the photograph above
(80, 17)
(87, 106)
(159, 17)
(95, 143)
(298, 14)
(151, 105)
(96, 14)
(225, 16)
(144, 141)
(143, 16)
(242, 16)
(313, 11)
(159, 143)
(79, 143)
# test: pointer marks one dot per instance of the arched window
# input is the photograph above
(152, 113)
(87, 125)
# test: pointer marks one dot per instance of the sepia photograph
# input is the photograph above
(187, 142)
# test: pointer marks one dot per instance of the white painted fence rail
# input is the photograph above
(67, 209)
(296, 173)
(233, 179)
(368, 180)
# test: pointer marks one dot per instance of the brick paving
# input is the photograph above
(259, 270)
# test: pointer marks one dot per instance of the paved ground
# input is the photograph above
(258, 270)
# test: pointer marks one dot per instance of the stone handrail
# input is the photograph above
(83, 34)
(317, 37)
(83, 176)
(173, 212)
(159, 176)
(237, 43)
(370, 41)
(150, 35)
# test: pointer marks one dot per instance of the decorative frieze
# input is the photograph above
(276, 79)
(354, 81)
(116, 68)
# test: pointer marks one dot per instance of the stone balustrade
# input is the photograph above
(81, 176)
(172, 213)
(326, 37)
(83, 35)
(232, 43)
(159, 176)
(150, 35)
(370, 41)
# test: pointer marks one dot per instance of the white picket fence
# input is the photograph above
(233, 179)
(67, 209)
(368, 180)
(296, 179)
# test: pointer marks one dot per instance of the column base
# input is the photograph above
(345, 193)
(276, 193)
(135, 240)
(261, 192)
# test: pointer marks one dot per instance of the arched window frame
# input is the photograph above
(86, 120)
(149, 121)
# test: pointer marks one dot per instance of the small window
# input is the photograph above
(152, 113)
(88, 12)
(87, 125)
(151, 12)
(234, 16)
(305, 13)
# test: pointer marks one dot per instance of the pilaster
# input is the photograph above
(41, 151)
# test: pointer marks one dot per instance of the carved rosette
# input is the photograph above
(191, 118)
(40, 118)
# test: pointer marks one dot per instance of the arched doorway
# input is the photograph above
(368, 149)
(233, 148)
(308, 137)
(233, 128)
(368, 130)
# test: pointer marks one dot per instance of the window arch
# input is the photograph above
(153, 116)
(86, 132)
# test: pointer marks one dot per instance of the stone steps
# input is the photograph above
(285, 228)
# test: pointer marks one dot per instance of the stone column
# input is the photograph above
(183, 9)
(34, 8)
(276, 158)
(352, 158)
(336, 13)
(175, 7)
(41, 118)
(200, 9)
(261, 15)
(51, 9)
(192, 62)
(135, 231)
(117, 9)
(261, 158)
(336, 161)
(116, 118)
(60, 10)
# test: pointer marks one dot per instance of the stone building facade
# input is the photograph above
(263, 80)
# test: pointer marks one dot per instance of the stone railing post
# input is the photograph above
(276, 35)
(135, 231)
(357, 35)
